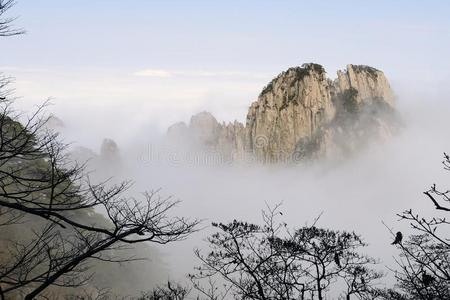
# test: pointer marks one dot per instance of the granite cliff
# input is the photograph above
(301, 115)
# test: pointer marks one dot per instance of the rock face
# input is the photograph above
(300, 115)
(369, 82)
(205, 133)
(292, 107)
(108, 160)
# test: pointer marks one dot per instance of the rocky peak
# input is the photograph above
(369, 82)
(204, 127)
(177, 127)
(301, 114)
(109, 150)
(295, 74)
(295, 107)
(203, 119)
(54, 123)
(177, 130)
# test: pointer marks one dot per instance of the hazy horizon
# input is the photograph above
(162, 62)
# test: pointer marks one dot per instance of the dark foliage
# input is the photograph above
(269, 262)
(424, 259)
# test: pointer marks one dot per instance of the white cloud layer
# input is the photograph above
(161, 73)
(154, 73)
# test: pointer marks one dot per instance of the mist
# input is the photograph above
(354, 194)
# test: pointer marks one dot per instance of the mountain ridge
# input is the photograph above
(300, 115)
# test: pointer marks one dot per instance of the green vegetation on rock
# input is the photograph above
(349, 101)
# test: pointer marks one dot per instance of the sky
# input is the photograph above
(162, 61)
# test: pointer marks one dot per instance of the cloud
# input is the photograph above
(154, 73)
(160, 73)
(21, 69)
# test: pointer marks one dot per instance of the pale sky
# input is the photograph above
(158, 62)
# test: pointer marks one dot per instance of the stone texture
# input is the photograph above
(302, 115)
(294, 106)
(369, 82)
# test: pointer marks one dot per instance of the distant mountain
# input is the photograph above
(102, 276)
(54, 123)
(301, 115)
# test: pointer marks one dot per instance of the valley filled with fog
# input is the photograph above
(354, 193)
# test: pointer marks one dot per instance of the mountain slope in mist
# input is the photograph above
(301, 115)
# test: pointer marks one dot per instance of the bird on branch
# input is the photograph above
(398, 238)
(427, 279)
(336, 259)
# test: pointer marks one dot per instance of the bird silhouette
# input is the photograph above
(398, 238)
(336, 259)
(427, 279)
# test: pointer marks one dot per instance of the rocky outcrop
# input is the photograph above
(109, 150)
(300, 115)
(205, 133)
(106, 162)
(369, 82)
(292, 107)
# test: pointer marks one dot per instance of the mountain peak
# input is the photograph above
(301, 114)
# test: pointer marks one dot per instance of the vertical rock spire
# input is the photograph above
(301, 114)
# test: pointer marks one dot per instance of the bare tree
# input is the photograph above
(38, 180)
(171, 291)
(54, 208)
(328, 255)
(269, 262)
(211, 289)
(41, 186)
(424, 259)
(6, 28)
